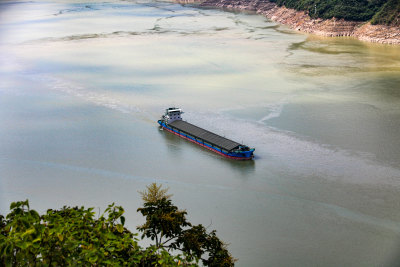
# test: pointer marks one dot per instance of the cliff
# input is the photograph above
(301, 21)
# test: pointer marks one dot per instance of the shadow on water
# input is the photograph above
(322, 48)
(175, 145)
(244, 167)
(318, 56)
(345, 45)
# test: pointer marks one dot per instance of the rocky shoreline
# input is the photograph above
(299, 20)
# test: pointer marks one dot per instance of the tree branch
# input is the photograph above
(167, 240)
(154, 230)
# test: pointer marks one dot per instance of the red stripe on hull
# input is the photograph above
(209, 148)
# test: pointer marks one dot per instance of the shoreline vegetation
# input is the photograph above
(379, 22)
(74, 237)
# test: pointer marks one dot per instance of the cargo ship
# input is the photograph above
(172, 122)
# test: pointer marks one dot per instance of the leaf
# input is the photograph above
(122, 220)
(60, 237)
(28, 232)
(24, 245)
(93, 258)
(7, 250)
(13, 205)
(25, 203)
(120, 228)
(34, 214)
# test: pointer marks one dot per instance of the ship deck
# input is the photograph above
(204, 135)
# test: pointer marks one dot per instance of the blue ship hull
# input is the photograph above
(242, 155)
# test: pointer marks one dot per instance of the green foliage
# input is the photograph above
(357, 10)
(163, 220)
(74, 237)
(389, 14)
(195, 241)
(154, 192)
(168, 227)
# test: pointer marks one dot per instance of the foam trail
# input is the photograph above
(303, 157)
(275, 111)
(100, 99)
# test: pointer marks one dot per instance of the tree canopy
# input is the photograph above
(72, 236)
(380, 11)
(169, 228)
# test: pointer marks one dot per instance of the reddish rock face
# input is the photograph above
(299, 20)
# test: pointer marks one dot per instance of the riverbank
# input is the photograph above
(301, 21)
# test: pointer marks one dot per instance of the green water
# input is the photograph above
(83, 83)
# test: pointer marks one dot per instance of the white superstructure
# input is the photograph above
(172, 114)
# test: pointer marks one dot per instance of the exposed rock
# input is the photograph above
(301, 21)
(378, 34)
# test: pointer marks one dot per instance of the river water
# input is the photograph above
(83, 83)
